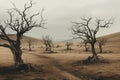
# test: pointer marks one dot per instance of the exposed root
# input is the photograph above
(22, 68)
(25, 68)
(92, 60)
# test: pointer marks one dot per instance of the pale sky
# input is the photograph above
(60, 13)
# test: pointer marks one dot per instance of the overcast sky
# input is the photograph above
(60, 13)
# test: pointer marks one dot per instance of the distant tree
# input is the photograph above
(87, 30)
(68, 44)
(20, 21)
(47, 41)
(101, 42)
(30, 44)
(86, 46)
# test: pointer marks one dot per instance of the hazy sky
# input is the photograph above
(60, 13)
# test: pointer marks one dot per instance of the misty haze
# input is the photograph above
(59, 40)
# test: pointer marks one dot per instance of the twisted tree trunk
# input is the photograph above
(18, 58)
(15, 47)
(94, 57)
(17, 55)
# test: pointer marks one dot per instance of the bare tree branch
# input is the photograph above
(20, 21)
(87, 32)
(5, 45)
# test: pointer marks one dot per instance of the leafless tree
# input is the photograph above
(30, 44)
(87, 30)
(101, 42)
(86, 46)
(20, 21)
(47, 41)
(68, 44)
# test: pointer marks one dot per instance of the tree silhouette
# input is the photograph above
(68, 44)
(19, 22)
(86, 46)
(87, 30)
(30, 44)
(47, 41)
(101, 42)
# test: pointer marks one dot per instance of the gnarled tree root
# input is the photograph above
(21, 68)
(93, 60)
(28, 68)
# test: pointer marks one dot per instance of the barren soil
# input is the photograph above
(59, 66)
(63, 64)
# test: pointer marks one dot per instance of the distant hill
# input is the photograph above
(24, 40)
(115, 37)
(113, 42)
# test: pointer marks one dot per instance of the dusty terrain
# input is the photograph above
(62, 64)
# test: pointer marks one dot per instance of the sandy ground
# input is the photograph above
(59, 66)
(62, 65)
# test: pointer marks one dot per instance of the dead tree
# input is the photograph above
(30, 44)
(20, 21)
(68, 44)
(101, 42)
(86, 46)
(86, 30)
(47, 41)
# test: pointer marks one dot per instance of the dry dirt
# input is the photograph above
(63, 65)
(59, 66)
